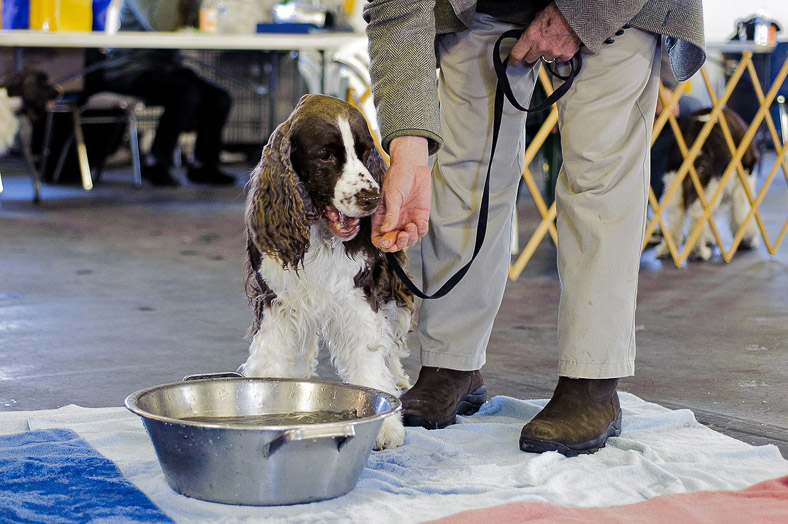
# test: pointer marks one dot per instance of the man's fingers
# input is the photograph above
(524, 53)
(389, 242)
(517, 54)
(396, 240)
(390, 218)
(377, 218)
(403, 240)
(408, 237)
(411, 240)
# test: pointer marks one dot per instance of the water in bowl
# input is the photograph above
(293, 418)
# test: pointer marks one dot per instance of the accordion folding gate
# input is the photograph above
(679, 253)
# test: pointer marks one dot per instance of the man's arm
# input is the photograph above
(402, 67)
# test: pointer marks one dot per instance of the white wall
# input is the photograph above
(720, 16)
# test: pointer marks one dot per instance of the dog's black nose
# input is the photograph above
(368, 200)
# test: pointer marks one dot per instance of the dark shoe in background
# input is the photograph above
(159, 175)
(209, 175)
(439, 395)
(580, 417)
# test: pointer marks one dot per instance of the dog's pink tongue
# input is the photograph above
(341, 225)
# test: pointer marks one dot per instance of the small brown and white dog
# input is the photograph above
(314, 277)
(710, 164)
(27, 91)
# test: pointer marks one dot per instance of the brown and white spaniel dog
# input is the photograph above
(314, 278)
(28, 91)
(710, 164)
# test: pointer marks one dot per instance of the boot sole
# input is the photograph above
(467, 405)
(613, 429)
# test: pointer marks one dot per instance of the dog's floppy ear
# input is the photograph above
(278, 210)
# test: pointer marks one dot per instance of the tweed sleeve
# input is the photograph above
(680, 20)
(596, 20)
(402, 67)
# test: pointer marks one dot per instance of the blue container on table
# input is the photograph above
(100, 8)
(284, 27)
(16, 14)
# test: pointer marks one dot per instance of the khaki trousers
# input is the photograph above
(605, 122)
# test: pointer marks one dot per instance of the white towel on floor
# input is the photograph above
(474, 464)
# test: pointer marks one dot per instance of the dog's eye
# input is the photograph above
(326, 155)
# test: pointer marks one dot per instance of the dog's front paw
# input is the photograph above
(392, 433)
(701, 252)
(662, 250)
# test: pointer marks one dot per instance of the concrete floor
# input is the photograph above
(109, 291)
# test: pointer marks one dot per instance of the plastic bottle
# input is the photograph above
(209, 16)
(61, 15)
(762, 24)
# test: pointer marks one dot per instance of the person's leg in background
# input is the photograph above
(211, 113)
(454, 330)
(183, 95)
(178, 97)
(605, 120)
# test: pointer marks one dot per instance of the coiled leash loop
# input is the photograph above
(503, 89)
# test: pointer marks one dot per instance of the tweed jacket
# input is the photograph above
(402, 48)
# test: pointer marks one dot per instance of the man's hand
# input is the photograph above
(404, 212)
(548, 36)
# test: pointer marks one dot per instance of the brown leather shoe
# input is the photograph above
(440, 394)
(579, 418)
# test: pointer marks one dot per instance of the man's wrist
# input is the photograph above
(413, 148)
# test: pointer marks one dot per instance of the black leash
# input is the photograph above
(503, 89)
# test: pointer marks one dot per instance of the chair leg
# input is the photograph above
(61, 160)
(783, 119)
(82, 152)
(46, 151)
(35, 173)
(136, 162)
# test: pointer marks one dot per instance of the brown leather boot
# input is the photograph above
(439, 395)
(579, 418)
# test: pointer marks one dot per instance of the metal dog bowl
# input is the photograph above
(262, 441)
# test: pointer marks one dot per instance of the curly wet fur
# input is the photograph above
(278, 212)
(309, 288)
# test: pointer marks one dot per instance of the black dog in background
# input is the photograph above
(28, 91)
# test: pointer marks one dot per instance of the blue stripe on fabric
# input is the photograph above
(54, 476)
